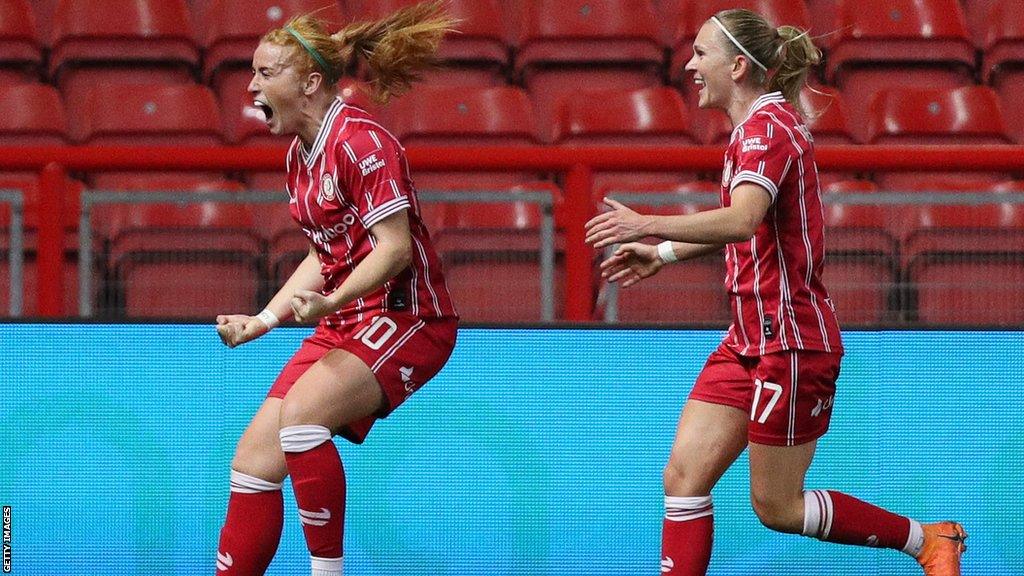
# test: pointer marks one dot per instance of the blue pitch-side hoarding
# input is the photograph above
(535, 452)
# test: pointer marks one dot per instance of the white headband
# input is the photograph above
(737, 43)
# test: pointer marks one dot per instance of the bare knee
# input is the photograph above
(777, 511)
(684, 477)
(293, 412)
(263, 462)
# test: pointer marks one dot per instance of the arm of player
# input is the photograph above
(391, 255)
(734, 223)
(236, 329)
(632, 262)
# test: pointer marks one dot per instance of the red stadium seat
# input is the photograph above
(33, 115)
(861, 258)
(642, 117)
(574, 44)
(491, 255)
(233, 28)
(195, 260)
(463, 116)
(968, 115)
(20, 48)
(692, 14)
(144, 115)
(825, 115)
(1003, 62)
(477, 55)
(138, 41)
(966, 265)
(688, 293)
(920, 43)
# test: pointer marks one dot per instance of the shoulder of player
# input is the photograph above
(363, 135)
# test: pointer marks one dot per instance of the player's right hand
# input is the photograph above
(631, 263)
(235, 329)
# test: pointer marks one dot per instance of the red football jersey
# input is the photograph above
(354, 176)
(774, 280)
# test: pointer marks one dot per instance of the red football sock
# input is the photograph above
(836, 517)
(252, 530)
(686, 535)
(319, 483)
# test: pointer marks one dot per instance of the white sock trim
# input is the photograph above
(817, 514)
(245, 484)
(684, 508)
(325, 566)
(303, 438)
(915, 540)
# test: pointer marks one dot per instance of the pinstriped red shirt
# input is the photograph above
(353, 176)
(774, 279)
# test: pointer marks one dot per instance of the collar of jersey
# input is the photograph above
(762, 101)
(321, 135)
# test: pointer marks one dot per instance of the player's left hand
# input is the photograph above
(310, 306)
(620, 224)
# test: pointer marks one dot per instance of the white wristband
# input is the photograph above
(666, 253)
(268, 318)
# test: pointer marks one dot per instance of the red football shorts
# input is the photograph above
(787, 394)
(402, 350)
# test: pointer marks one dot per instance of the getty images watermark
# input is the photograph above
(7, 539)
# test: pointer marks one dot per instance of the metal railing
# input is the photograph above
(15, 250)
(899, 265)
(93, 198)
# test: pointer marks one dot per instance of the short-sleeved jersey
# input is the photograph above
(774, 279)
(353, 176)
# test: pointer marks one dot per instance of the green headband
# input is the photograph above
(312, 52)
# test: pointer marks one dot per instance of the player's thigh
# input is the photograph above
(337, 390)
(708, 440)
(258, 452)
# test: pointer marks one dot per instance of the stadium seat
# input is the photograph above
(967, 115)
(477, 55)
(861, 258)
(33, 115)
(825, 115)
(144, 115)
(20, 49)
(632, 118)
(570, 45)
(1002, 67)
(194, 260)
(123, 42)
(690, 293)
(464, 116)
(966, 265)
(491, 255)
(917, 43)
(692, 14)
(233, 28)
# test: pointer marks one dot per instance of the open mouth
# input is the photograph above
(268, 112)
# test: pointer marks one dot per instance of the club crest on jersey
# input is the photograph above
(327, 188)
